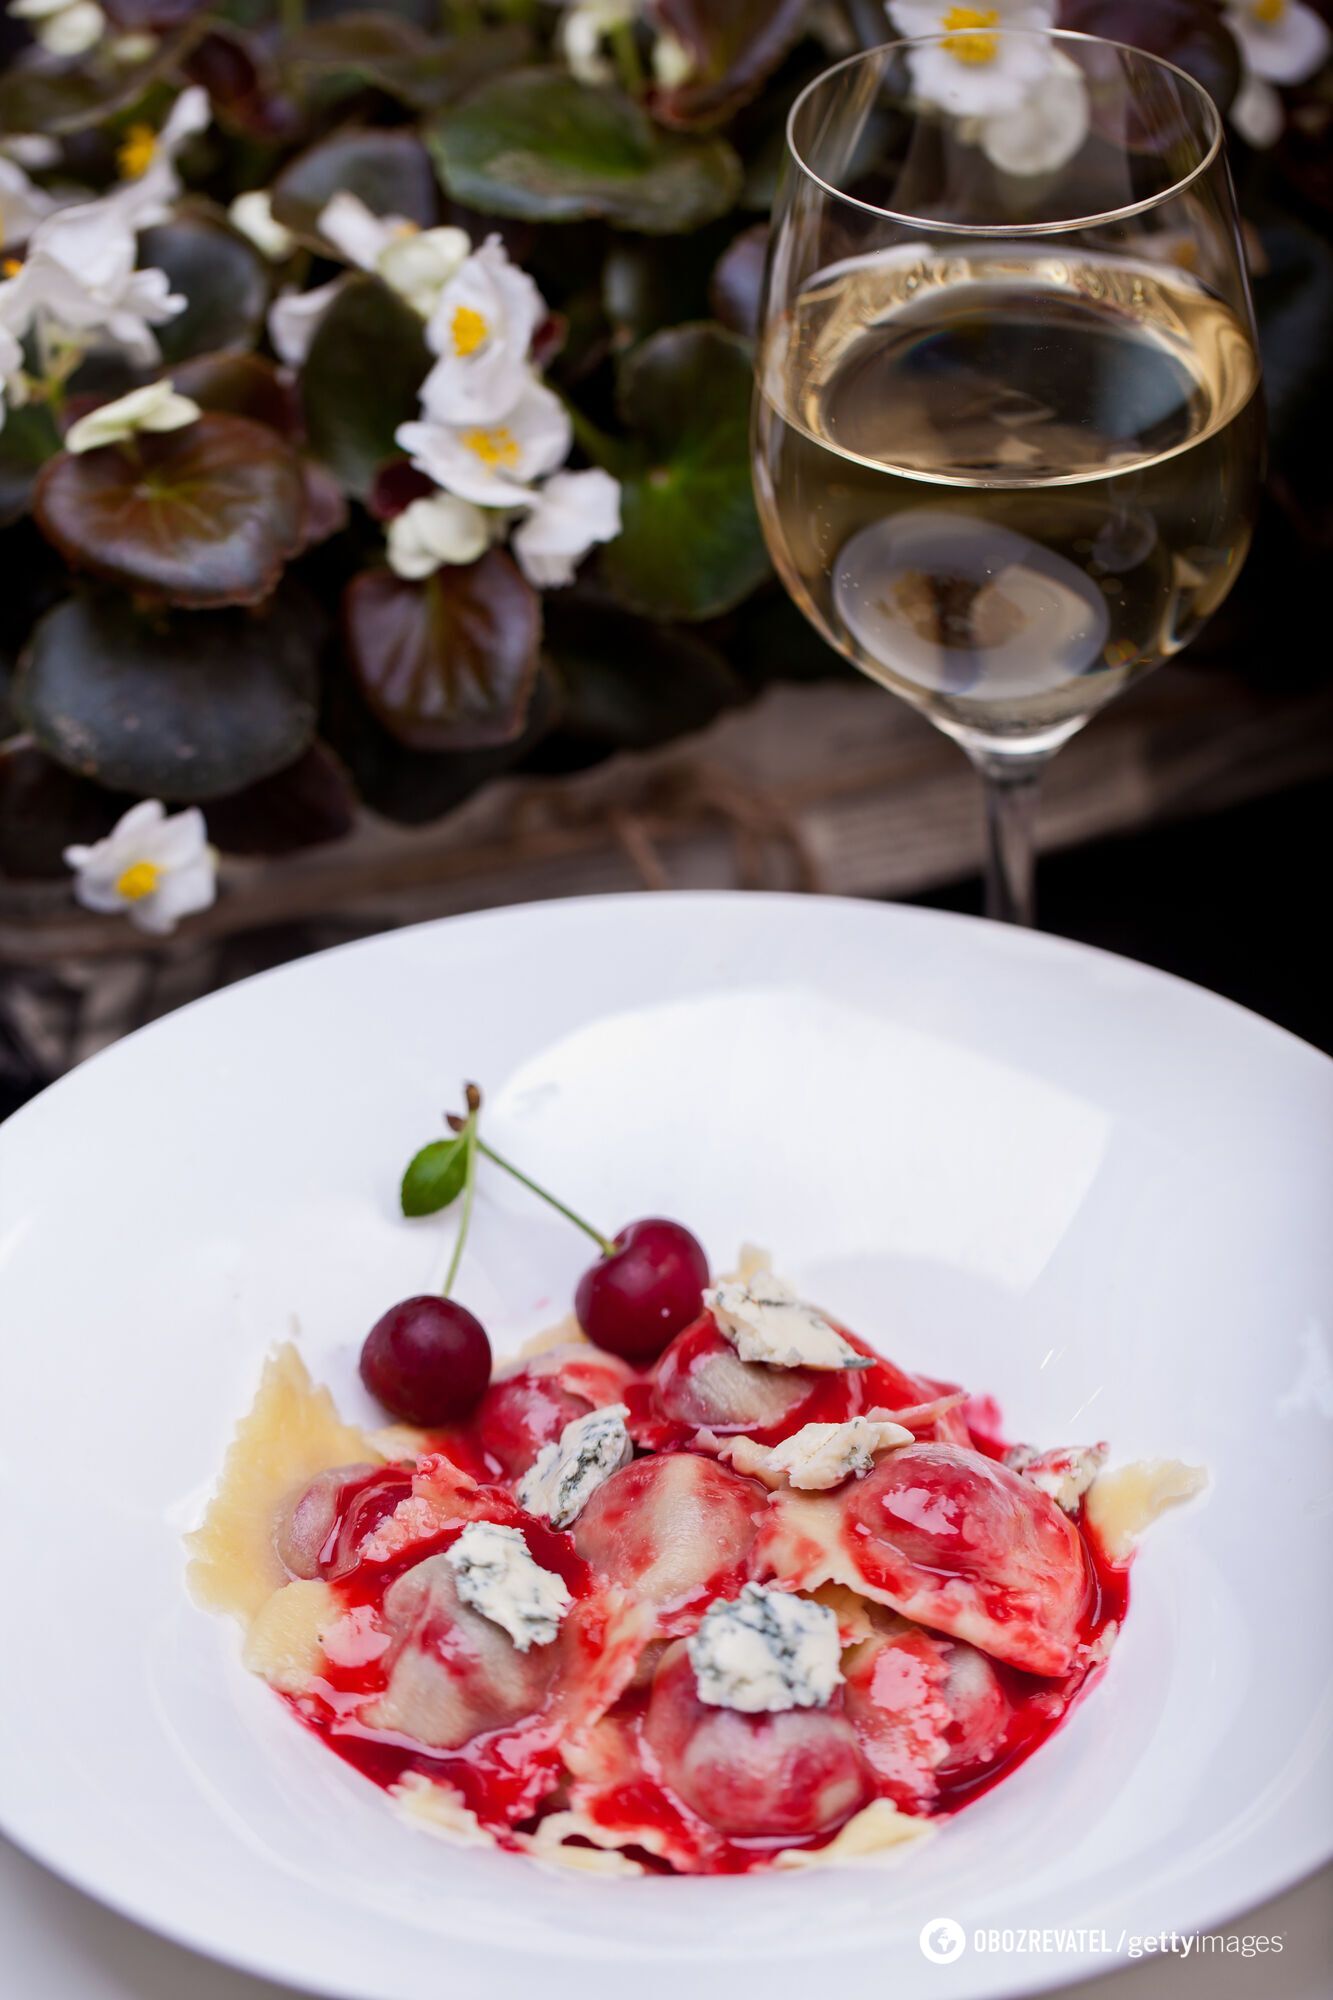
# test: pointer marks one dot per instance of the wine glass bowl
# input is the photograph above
(1007, 433)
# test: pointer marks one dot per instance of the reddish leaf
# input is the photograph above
(207, 515)
(311, 802)
(241, 385)
(325, 504)
(447, 664)
(738, 281)
(203, 516)
(1189, 33)
(735, 49)
(396, 485)
(243, 90)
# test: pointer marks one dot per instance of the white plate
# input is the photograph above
(1094, 1190)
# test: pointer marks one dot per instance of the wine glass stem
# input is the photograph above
(1012, 784)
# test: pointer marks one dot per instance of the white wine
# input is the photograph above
(1005, 484)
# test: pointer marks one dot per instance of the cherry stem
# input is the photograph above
(604, 1243)
(469, 1190)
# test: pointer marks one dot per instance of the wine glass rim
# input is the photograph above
(1064, 225)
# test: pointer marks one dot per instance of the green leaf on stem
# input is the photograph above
(361, 380)
(222, 278)
(435, 1176)
(690, 546)
(450, 663)
(185, 707)
(204, 516)
(540, 145)
(389, 171)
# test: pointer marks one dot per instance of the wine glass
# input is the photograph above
(1008, 433)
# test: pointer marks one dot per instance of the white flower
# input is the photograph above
(572, 511)
(36, 150)
(1281, 41)
(1046, 129)
(482, 328)
(11, 367)
(294, 320)
(414, 262)
(437, 530)
(1257, 111)
(673, 63)
(147, 160)
(495, 463)
(583, 33)
(974, 71)
(156, 407)
(79, 283)
(252, 214)
(155, 868)
(63, 27)
(22, 206)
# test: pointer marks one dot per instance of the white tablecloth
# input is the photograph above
(59, 1945)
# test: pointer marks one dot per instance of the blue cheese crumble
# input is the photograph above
(563, 1477)
(497, 1576)
(766, 1651)
(766, 1322)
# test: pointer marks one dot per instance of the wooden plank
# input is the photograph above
(834, 787)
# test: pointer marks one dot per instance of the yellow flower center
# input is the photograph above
(497, 446)
(136, 152)
(966, 35)
(1270, 12)
(139, 880)
(11, 267)
(402, 230)
(469, 329)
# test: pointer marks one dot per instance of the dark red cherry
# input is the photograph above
(634, 1302)
(427, 1360)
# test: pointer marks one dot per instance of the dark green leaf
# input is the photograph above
(309, 803)
(448, 664)
(38, 96)
(391, 53)
(435, 1176)
(360, 381)
(28, 439)
(627, 684)
(539, 144)
(690, 546)
(389, 171)
(180, 706)
(734, 49)
(224, 281)
(203, 516)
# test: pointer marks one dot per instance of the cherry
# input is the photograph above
(427, 1360)
(644, 1291)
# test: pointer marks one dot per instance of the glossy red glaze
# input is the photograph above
(924, 1719)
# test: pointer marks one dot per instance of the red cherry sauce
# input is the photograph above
(501, 1774)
